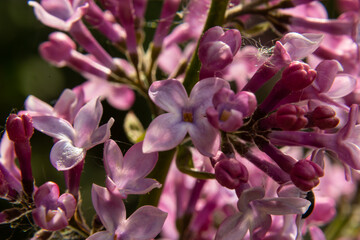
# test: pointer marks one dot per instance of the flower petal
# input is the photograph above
(283, 205)
(51, 220)
(205, 137)
(153, 217)
(139, 186)
(203, 91)
(101, 134)
(121, 97)
(37, 106)
(165, 132)
(103, 235)
(233, 227)
(169, 95)
(54, 127)
(65, 156)
(47, 195)
(87, 120)
(67, 203)
(113, 160)
(109, 207)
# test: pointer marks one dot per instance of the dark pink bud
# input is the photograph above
(231, 173)
(323, 117)
(291, 117)
(297, 76)
(19, 128)
(305, 174)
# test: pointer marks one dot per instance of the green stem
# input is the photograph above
(159, 173)
(215, 18)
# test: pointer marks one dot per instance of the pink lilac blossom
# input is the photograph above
(185, 115)
(73, 141)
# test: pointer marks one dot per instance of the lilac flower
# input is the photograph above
(254, 213)
(145, 223)
(52, 211)
(127, 173)
(185, 115)
(74, 141)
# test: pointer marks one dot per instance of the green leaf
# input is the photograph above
(185, 164)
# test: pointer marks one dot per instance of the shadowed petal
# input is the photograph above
(165, 132)
(144, 223)
(205, 137)
(109, 207)
(101, 134)
(42, 218)
(65, 156)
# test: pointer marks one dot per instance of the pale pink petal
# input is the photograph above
(54, 127)
(109, 208)
(138, 186)
(205, 137)
(37, 106)
(283, 205)
(316, 233)
(343, 85)
(101, 134)
(65, 156)
(169, 95)
(134, 158)
(113, 159)
(87, 120)
(134, 227)
(66, 104)
(165, 132)
(47, 18)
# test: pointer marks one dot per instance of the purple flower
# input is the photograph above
(185, 115)
(127, 174)
(52, 211)
(74, 141)
(145, 223)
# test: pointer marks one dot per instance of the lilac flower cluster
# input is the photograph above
(242, 144)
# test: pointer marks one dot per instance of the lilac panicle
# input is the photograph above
(184, 115)
(126, 174)
(52, 211)
(145, 223)
(74, 141)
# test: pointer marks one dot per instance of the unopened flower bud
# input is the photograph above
(323, 117)
(231, 173)
(305, 174)
(291, 117)
(19, 128)
(297, 76)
